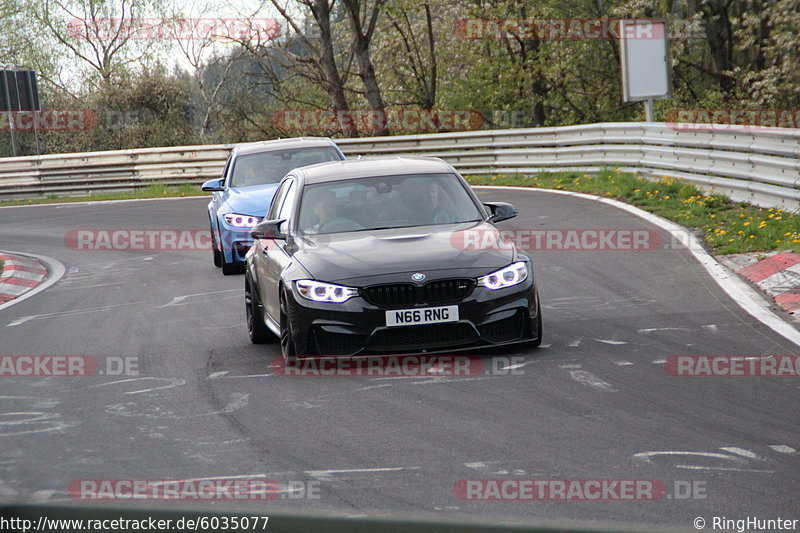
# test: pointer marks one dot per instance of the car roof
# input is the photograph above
(283, 144)
(371, 167)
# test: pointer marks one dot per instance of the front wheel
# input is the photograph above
(231, 268)
(288, 348)
(537, 342)
(215, 250)
(259, 334)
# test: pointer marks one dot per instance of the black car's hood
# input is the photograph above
(395, 253)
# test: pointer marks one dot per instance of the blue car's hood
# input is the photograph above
(253, 200)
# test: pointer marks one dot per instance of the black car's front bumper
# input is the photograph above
(357, 327)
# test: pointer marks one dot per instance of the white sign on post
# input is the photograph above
(644, 57)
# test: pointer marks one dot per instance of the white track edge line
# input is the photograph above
(743, 294)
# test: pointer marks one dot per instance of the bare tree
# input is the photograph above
(105, 35)
(197, 42)
(417, 73)
(363, 21)
(325, 55)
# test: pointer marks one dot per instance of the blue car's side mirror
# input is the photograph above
(216, 184)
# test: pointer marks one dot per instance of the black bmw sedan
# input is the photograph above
(370, 257)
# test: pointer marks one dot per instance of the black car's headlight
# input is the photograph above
(240, 221)
(505, 277)
(318, 291)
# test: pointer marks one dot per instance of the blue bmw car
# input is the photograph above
(244, 192)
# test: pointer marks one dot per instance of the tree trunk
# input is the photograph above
(361, 42)
(334, 86)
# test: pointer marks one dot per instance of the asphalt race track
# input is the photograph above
(592, 403)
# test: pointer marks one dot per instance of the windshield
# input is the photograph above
(385, 202)
(270, 167)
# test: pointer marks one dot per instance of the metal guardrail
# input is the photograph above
(757, 165)
(86, 173)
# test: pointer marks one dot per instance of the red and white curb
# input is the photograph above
(778, 276)
(20, 274)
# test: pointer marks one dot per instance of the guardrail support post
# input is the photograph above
(648, 110)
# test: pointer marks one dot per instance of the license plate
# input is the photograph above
(427, 315)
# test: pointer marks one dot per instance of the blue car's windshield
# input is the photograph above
(270, 167)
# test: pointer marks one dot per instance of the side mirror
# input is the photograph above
(214, 185)
(268, 229)
(500, 211)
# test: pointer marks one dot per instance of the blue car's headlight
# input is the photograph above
(324, 292)
(240, 221)
(505, 277)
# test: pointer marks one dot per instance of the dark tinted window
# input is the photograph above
(271, 167)
(386, 202)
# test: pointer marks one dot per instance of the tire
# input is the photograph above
(537, 342)
(215, 250)
(288, 348)
(231, 268)
(258, 331)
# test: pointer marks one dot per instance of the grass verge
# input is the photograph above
(152, 191)
(728, 227)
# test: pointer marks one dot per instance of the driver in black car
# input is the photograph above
(427, 203)
(325, 209)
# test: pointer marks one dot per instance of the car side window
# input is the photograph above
(225, 170)
(288, 204)
(277, 200)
